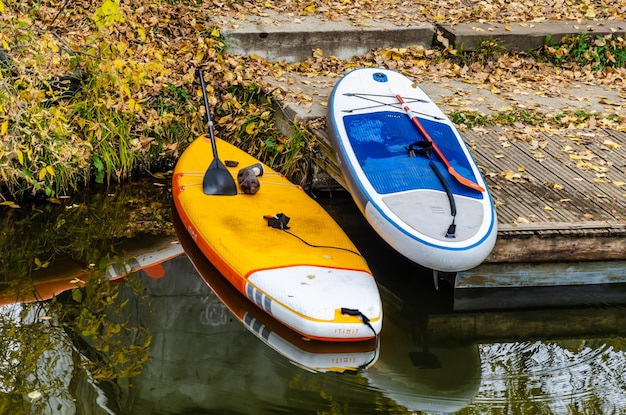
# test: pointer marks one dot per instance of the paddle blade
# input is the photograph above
(218, 181)
(464, 181)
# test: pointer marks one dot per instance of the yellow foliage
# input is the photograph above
(108, 14)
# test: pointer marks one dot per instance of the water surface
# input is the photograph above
(166, 343)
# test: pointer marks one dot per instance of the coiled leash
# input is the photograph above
(425, 148)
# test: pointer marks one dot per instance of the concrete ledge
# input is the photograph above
(525, 36)
(295, 41)
(278, 38)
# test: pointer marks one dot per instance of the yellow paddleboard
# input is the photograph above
(307, 274)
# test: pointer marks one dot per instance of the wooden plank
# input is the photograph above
(617, 226)
(541, 174)
(587, 183)
(536, 275)
(614, 156)
(578, 196)
(524, 247)
(526, 204)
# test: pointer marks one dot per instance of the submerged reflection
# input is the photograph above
(438, 378)
(205, 360)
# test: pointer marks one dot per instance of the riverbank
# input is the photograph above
(98, 93)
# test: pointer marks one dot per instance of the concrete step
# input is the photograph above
(277, 37)
(526, 36)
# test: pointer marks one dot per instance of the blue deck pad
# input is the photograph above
(379, 141)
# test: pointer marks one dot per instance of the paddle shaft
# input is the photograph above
(208, 113)
(464, 181)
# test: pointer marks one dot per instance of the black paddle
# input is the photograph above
(217, 179)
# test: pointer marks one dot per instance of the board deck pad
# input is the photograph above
(379, 141)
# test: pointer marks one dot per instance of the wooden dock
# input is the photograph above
(552, 205)
(559, 195)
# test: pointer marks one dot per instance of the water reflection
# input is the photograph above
(205, 361)
(204, 357)
(559, 377)
(432, 358)
(441, 378)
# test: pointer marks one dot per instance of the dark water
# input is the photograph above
(207, 358)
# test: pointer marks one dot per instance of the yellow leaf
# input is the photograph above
(250, 128)
(50, 170)
(53, 46)
(548, 208)
(507, 27)
(118, 64)
(38, 262)
(611, 144)
(42, 173)
(215, 32)
(618, 183)
(10, 204)
(20, 157)
(126, 90)
(142, 34)
(4, 127)
(1, 7)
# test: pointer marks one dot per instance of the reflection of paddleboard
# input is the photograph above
(418, 196)
(440, 378)
(311, 354)
(65, 273)
(305, 272)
